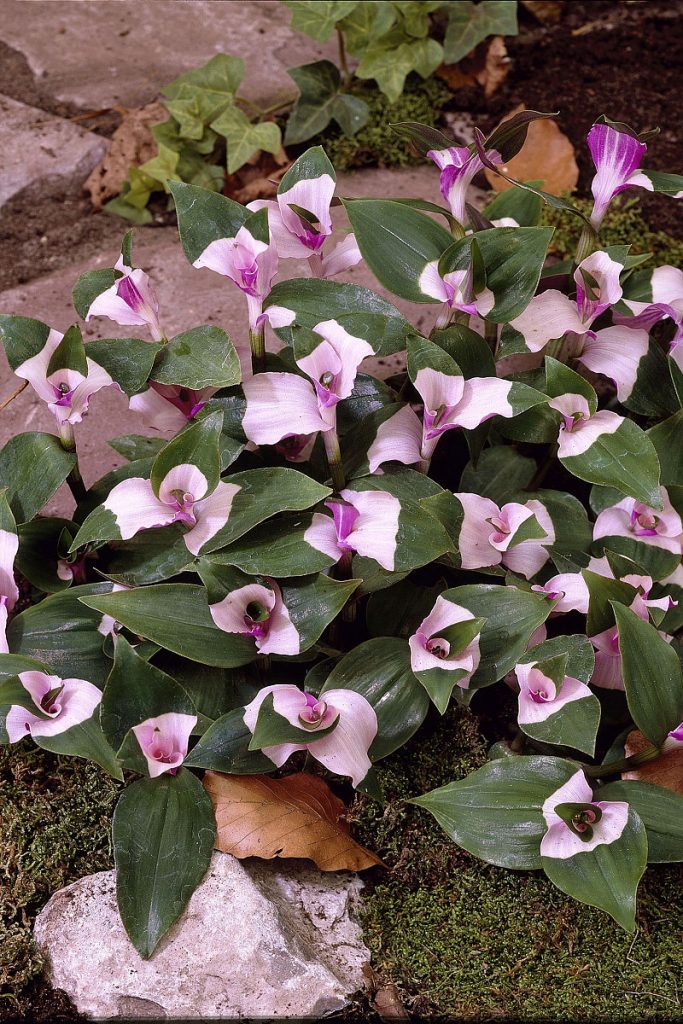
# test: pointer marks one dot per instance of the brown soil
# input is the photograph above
(603, 57)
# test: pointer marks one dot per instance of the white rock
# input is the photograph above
(258, 939)
(37, 147)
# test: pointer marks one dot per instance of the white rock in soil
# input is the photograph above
(258, 939)
(36, 147)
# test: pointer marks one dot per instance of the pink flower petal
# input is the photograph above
(344, 256)
(579, 440)
(212, 514)
(616, 352)
(547, 317)
(474, 543)
(345, 750)
(604, 271)
(136, 507)
(482, 398)
(398, 439)
(288, 697)
(375, 532)
(185, 478)
(572, 590)
(157, 412)
(313, 195)
(164, 741)
(281, 404)
(322, 535)
(34, 370)
(9, 545)
(617, 157)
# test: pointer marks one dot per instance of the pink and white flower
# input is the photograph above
(578, 428)
(608, 665)
(164, 741)
(131, 301)
(430, 649)
(456, 290)
(169, 407)
(666, 286)
(452, 401)
(66, 392)
(577, 823)
(458, 166)
(257, 610)
(617, 157)
(299, 237)
(611, 351)
(487, 534)
(249, 262)
(343, 751)
(362, 521)
(60, 704)
(182, 499)
(630, 518)
(540, 697)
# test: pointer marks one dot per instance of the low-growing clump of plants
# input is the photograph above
(318, 559)
(211, 130)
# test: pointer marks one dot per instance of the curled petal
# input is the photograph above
(281, 404)
(597, 285)
(616, 352)
(288, 698)
(211, 515)
(322, 535)
(559, 841)
(398, 439)
(617, 157)
(136, 507)
(375, 531)
(185, 478)
(131, 302)
(164, 741)
(585, 434)
(345, 750)
(474, 545)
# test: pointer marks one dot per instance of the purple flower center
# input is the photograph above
(325, 389)
(436, 422)
(184, 399)
(256, 619)
(345, 516)
(182, 504)
(439, 647)
(643, 522)
(311, 717)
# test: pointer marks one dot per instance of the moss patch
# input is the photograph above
(55, 816)
(624, 224)
(378, 145)
(463, 939)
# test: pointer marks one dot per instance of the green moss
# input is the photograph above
(466, 940)
(377, 144)
(624, 224)
(55, 816)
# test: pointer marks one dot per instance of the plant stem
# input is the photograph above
(491, 335)
(257, 341)
(74, 479)
(623, 765)
(586, 244)
(343, 63)
(15, 394)
(334, 461)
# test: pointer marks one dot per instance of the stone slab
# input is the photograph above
(100, 53)
(187, 298)
(37, 147)
(258, 939)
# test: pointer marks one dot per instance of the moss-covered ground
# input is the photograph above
(468, 941)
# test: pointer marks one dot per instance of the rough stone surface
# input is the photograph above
(138, 50)
(36, 147)
(187, 298)
(258, 939)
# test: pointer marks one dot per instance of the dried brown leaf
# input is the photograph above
(259, 178)
(545, 11)
(666, 771)
(298, 816)
(388, 1004)
(496, 66)
(131, 145)
(547, 155)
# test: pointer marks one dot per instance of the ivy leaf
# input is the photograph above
(389, 68)
(318, 20)
(469, 23)
(244, 137)
(321, 100)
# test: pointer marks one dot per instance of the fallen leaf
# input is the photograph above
(496, 66)
(298, 816)
(666, 771)
(388, 1004)
(487, 65)
(547, 155)
(545, 11)
(131, 145)
(259, 177)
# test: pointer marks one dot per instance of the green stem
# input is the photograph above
(334, 460)
(625, 764)
(587, 243)
(491, 335)
(262, 112)
(74, 479)
(257, 341)
(343, 63)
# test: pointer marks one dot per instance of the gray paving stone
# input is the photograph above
(37, 147)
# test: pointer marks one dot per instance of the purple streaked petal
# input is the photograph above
(131, 302)
(315, 196)
(617, 157)
(345, 517)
